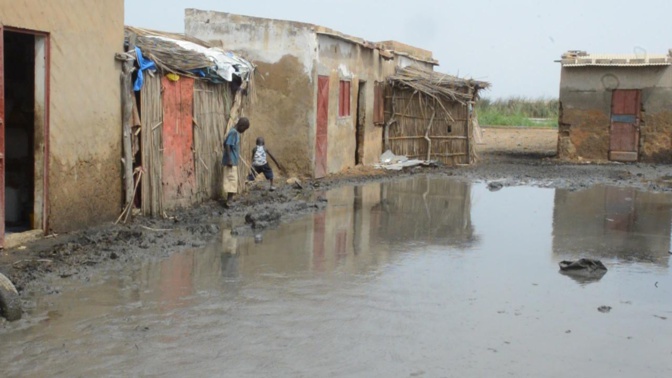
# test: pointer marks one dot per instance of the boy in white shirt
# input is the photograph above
(260, 163)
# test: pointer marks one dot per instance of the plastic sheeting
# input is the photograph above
(225, 63)
(144, 64)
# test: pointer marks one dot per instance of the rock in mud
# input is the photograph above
(10, 304)
(262, 219)
(494, 186)
(295, 182)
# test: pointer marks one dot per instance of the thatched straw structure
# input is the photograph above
(428, 115)
(183, 119)
(183, 55)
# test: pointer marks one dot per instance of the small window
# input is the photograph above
(344, 99)
(378, 103)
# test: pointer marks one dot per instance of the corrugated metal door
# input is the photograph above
(2, 139)
(178, 178)
(321, 131)
(624, 130)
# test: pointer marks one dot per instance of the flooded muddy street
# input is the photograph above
(425, 276)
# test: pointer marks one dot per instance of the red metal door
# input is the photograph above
(624, 130)
(321, 128)
(2, 139)
(178, 139)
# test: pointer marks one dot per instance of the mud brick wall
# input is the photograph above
(284, 90)
(656, 135)
(585, 101)
(84, 139)
(289, 57)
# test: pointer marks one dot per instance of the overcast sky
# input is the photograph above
(511, 43)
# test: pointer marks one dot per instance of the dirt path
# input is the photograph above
(509, 156)
(517, 141)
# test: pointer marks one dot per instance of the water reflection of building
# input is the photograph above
(610, 222)
(428, 210)
(362, 226)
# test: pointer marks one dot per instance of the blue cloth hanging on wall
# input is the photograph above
(145, 64)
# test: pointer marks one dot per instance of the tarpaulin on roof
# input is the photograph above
(226, 64)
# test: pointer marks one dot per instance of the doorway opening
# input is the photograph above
(24, 73)
(361, 121)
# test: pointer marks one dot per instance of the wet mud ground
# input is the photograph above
(49, 270)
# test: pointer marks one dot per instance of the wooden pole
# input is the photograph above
(470, 146)
(427, 138)
(127, 116)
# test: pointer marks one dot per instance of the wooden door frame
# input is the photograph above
(2, 136)
(46, 54)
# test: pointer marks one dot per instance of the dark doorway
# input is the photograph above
(19, 133)
(361, 121)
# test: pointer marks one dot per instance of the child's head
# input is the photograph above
(242, 124)
(260, 141)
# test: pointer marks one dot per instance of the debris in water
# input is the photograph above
(604, 309)
(390, 161)
(583, 270)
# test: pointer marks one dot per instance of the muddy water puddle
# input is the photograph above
(423, 277)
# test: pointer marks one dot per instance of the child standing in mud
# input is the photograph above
(230, 159)
(260, 163)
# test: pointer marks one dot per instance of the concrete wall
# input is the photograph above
(289, 57)
(344, 60)
(84, 109)
(285, 86)
(585, 98)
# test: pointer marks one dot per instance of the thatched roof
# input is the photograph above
(188, 56)
(436, 84)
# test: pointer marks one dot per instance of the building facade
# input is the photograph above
(315, 87)
(60, 113)
(615, 107)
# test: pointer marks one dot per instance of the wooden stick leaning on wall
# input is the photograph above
(129, 207)
(236, 107)
(233, 118)
(427, 138)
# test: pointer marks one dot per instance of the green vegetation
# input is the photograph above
(518, 111)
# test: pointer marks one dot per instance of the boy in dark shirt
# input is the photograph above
(230, 158)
